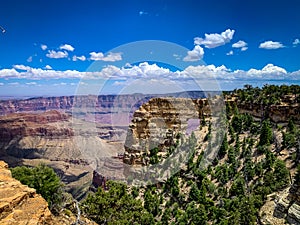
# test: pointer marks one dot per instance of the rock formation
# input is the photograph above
(33, 124)
(288, 205)
(157, 123)
(20, 204)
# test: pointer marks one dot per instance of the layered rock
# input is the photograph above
(157, 123)
(20, 204)
(284, 207)
(33, 124)
(277, 113)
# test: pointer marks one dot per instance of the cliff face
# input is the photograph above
(20, 204)
(22, 125)
(277, 113)
(158, 122)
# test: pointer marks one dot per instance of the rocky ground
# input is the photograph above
(20, 204)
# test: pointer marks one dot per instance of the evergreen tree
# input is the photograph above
(265, 133)
(44, 180)
(115, 206)
(224, 147)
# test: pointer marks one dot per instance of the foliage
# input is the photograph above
(266, 135)
(115, 206)
(229, 191)
(44, 180)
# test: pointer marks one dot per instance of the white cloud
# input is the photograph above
(9, 73)
(229, 53)
(153, 72)
(296, 41)
(44, 47)
(81, 58)
(67, 47)
(194, 55)
(29, 59)
(244, 48)
(111, 57)
(240, 44)
(21, 67)
(267, 70)
(271, 45)
(47, 67)
(215, 40)
(57, 54)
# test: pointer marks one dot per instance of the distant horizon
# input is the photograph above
(24, 97)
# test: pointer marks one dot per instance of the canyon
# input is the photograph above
(89, 139)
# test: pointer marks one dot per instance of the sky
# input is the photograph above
(69, 47)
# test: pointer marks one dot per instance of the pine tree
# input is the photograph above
(224, 147)
(265, 133)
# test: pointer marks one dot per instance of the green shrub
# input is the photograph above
(44, 180)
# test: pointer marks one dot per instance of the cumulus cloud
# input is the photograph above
(195, 54)
(215, 40)
(271, 45)
(22, 67)
(81, 58)
(111, 57)
(57, 54)
(240, 44)
(229, 53)
(145, 71)
(296, 42)
(67, 47)
(244, 48)
(44, 47)
(267, 70)
(47, 67)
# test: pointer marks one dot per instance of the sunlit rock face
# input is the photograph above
(158, 122)
(20, 204)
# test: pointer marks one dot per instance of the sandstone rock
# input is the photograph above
(33, 124)
(20, 204)
(158, 122)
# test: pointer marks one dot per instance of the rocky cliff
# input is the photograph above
(72, 147)
(282, 207)
(20, 204)
(98, 106)
(157, 123)
(33, 124)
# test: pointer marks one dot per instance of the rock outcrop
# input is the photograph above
(158, 122)
(277, 113)
(285, 206)
(20, 204)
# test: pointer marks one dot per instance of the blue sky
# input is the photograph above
(48, 46)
